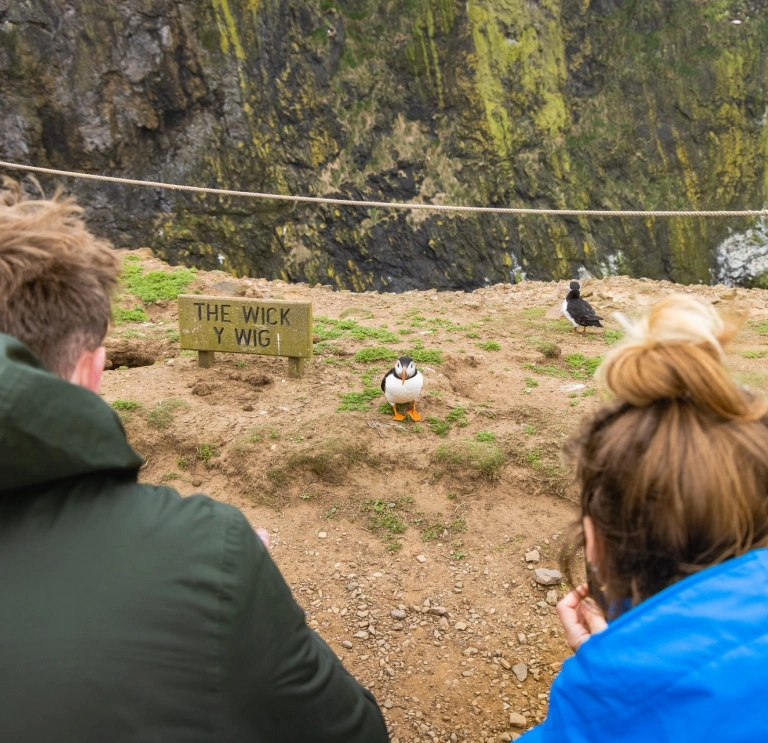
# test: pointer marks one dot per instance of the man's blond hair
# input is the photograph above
(56, 278)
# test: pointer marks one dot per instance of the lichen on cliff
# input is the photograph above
(619, 104)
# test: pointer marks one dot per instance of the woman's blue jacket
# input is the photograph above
(688, 664)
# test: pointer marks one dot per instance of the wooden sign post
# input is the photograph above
(238, 325)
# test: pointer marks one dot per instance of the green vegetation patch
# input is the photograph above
(486, 458)
(485, 436)
(161, 416)
(611, 336)
(458, 415)
(437, 529)
(206, 452)
(329, 461)
(423, 355)
(754, 354)
(126, 404)
(324, 348)
(384, 520)
(549, 350)
(489, 346)
(326, 328)
(438, 426)
(137, 314)
(380, 353)
(359, 400)
(548, 370)
(156, 285)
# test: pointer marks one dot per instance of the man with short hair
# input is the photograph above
(128, 613)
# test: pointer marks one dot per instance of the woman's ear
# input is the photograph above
(590, 546)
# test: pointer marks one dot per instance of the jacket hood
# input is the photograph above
(51, 429)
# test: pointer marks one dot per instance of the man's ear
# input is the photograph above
(89, 368)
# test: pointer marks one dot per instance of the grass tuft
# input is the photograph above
(137, 314)
(484, 457)
(489, 346)
(358, 400)
(549, 350)
(206, 452)
(330, 461)
(156, 285)
(161, 416)
(458, 415)
(440, 427)
(126, 404)
(369, 355)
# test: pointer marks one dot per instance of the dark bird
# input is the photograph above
(579, 311)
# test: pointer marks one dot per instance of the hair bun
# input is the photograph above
(676, 351)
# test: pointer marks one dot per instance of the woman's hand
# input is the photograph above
(580, 616)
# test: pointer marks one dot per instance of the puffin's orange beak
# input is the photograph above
(403, 376)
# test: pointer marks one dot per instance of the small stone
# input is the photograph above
(516, 720)
(470, 672)
(351, 586)
(346, 644)
(421, 558)
(388, 703)
(362, 635)
(460, 626)
(556, 666)
(197, 482)
(397, 614)
(522, 639)
(532, 556)
(552, 598)
(546, 577)
(322, 535)
(521, 671)
(438, 611)
(443, 623)
(505, 664)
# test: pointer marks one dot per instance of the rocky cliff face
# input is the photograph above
(579, 103)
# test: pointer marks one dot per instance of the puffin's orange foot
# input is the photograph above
(414, 415)
(575, 330)
(397, 416)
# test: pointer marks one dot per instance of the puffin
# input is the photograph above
(579, 311)
(402, 384)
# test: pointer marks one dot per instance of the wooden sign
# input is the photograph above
(241, 325)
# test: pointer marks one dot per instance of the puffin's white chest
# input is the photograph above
(564, 310)
(397, 392)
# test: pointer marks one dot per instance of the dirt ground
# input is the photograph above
(430, 520)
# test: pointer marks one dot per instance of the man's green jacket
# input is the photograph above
(128, 613)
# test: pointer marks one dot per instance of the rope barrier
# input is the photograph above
(519, 211)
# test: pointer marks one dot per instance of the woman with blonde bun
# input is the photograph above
(670, 633)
